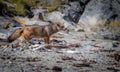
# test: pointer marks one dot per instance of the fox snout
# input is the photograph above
(63, 27)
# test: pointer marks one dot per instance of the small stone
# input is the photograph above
(113, 69)
(117, 57)
(68, 58)
(57, 69)
(80, 30)
(81, 65)
(115, 44)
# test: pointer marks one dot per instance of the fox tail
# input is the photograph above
(16, 34)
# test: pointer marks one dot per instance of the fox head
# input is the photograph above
(61, 26)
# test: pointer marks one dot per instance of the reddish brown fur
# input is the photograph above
(36, 31)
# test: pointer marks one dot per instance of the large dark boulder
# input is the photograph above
(75, 10)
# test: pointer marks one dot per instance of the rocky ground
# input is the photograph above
(91, 45)
(68, 52)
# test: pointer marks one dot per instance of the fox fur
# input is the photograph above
(36, 31)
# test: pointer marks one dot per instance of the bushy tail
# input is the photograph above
(16, 34)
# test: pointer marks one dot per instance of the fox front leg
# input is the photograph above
(47, 40)
(24, 42)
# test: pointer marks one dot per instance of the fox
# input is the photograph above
(36, 31)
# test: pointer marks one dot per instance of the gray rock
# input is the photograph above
(3, 33)
(7, 22)
(49, 1)
(102, 15)
(9, 4)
